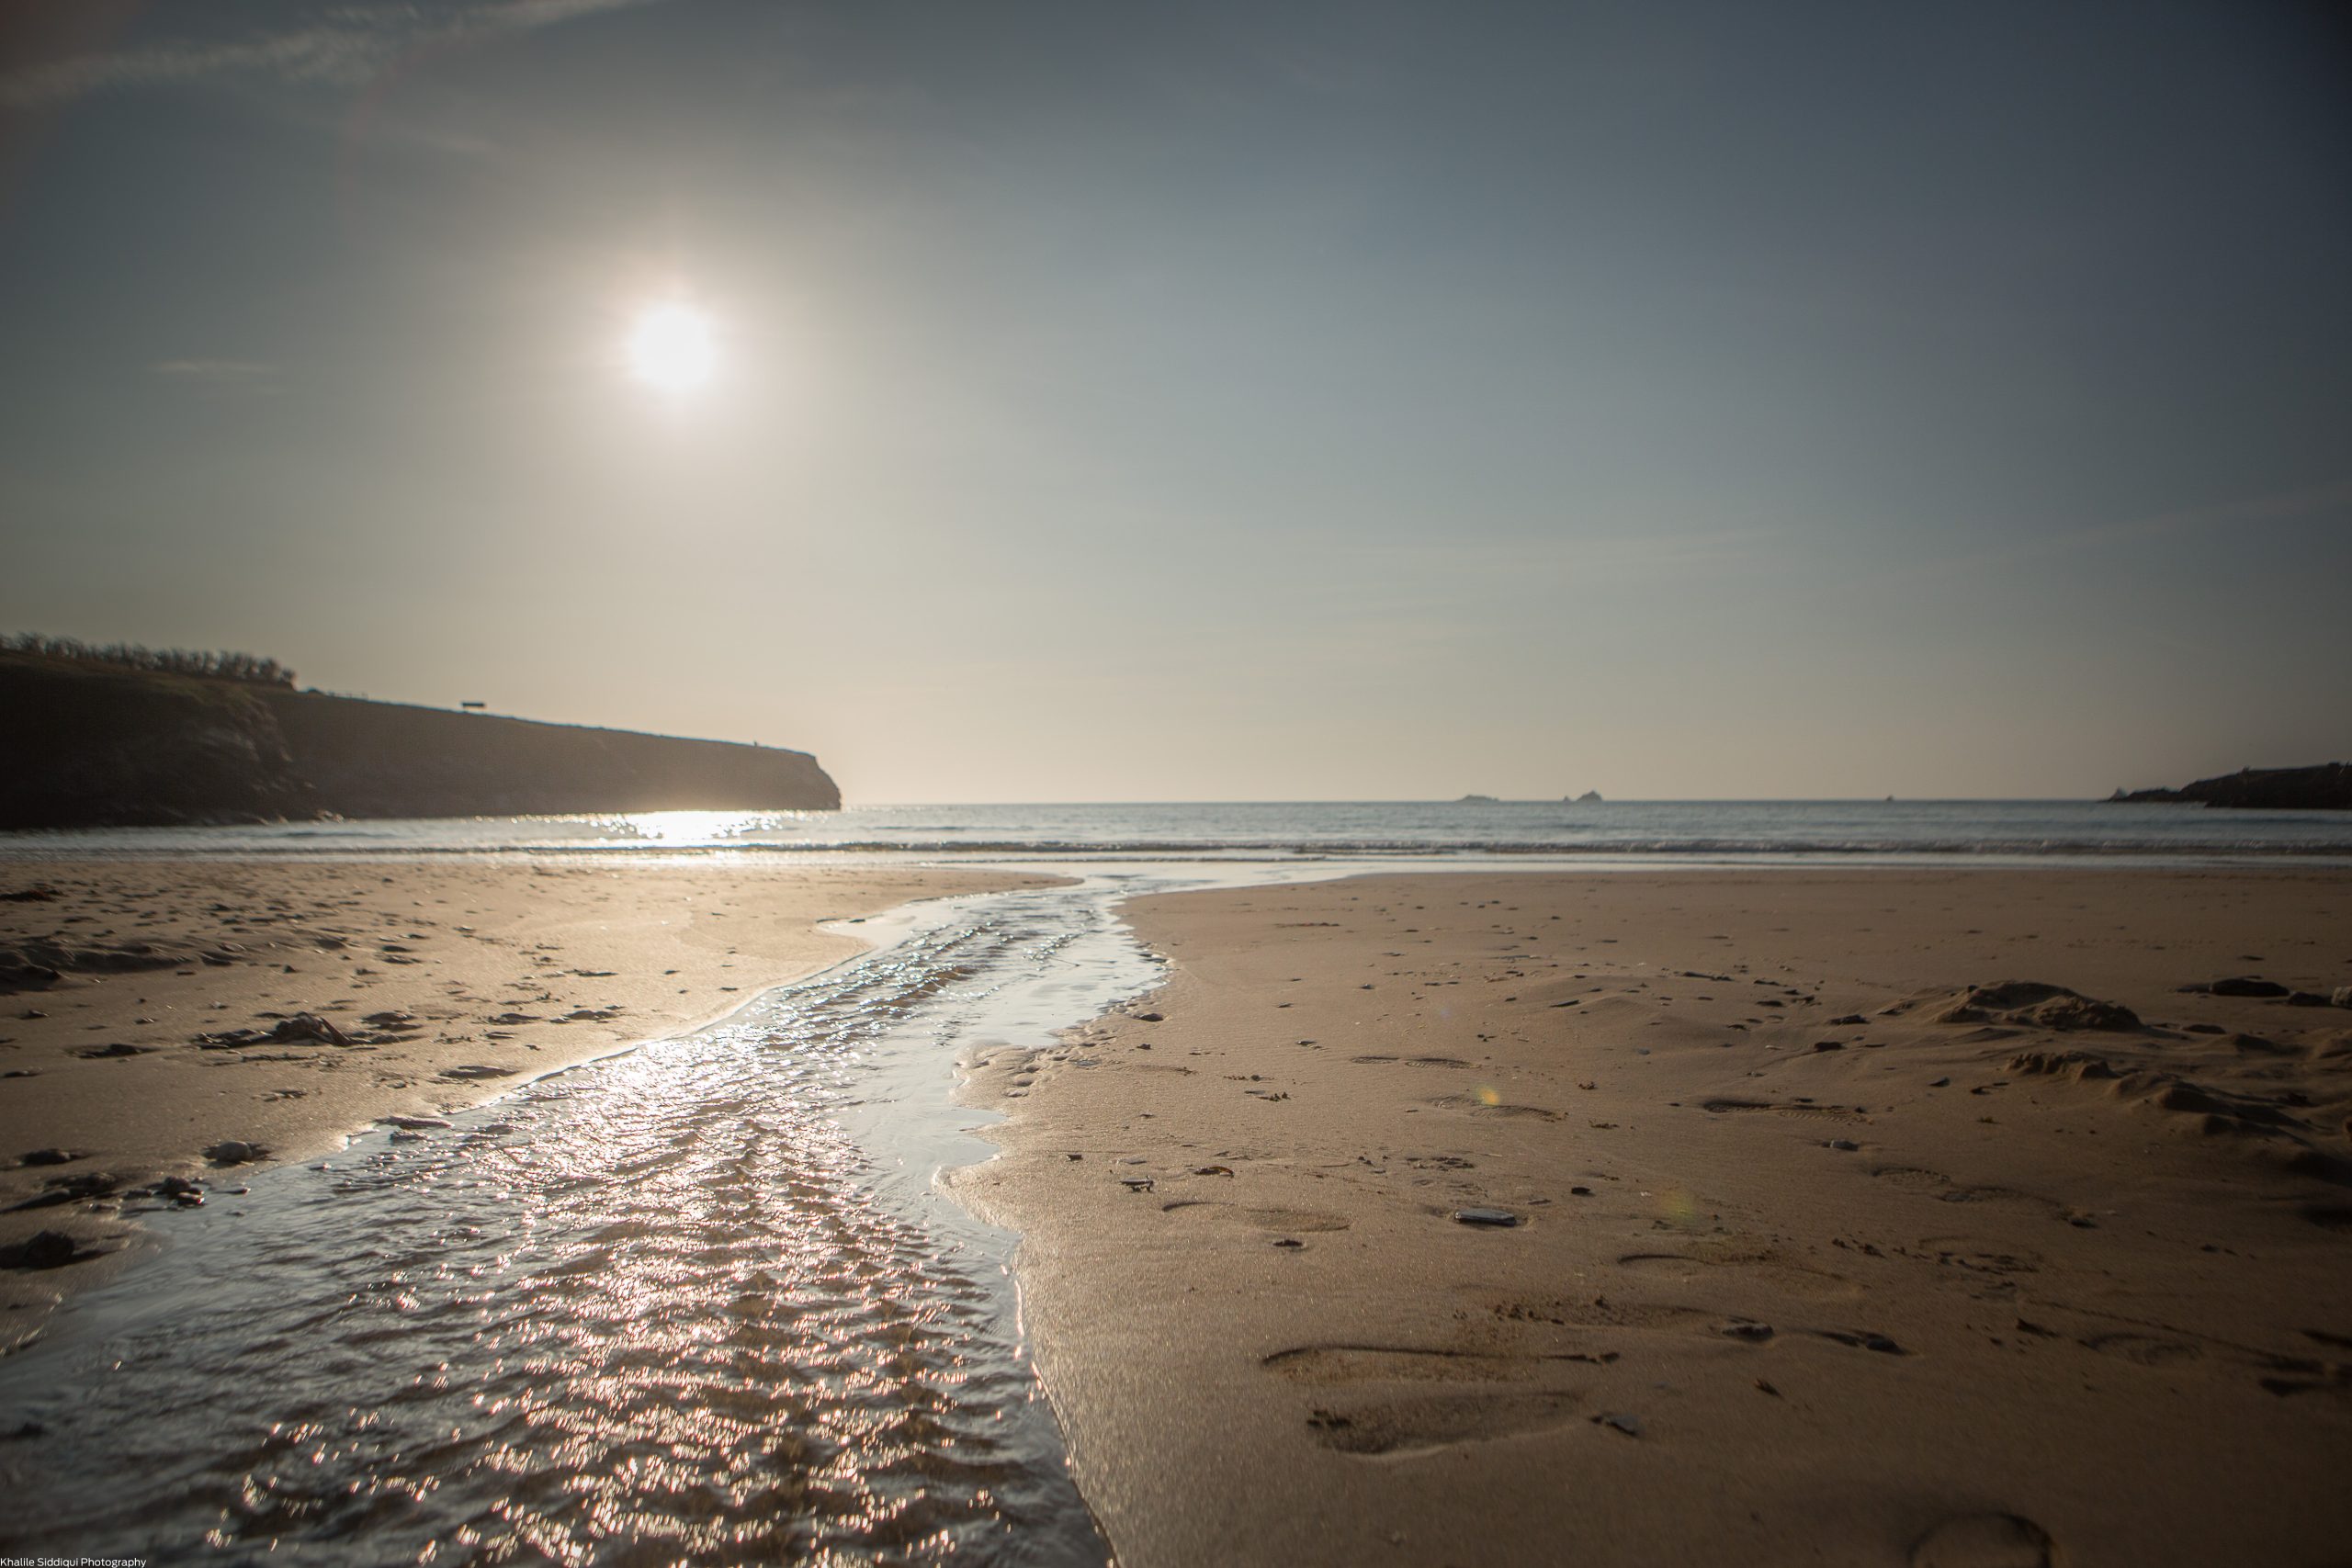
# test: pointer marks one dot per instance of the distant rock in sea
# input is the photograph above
(1589, 798)
(2325, 787)
(1478, 800)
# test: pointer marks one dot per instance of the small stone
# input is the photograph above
(1629, 1425)
(1500, 1219)
(308, 1026)
(233, 1151)
(2243, 985)
(1845, 1145)
(1754, 1333)
(47, 1157)
(47, 1250)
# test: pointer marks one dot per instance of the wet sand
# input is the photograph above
(1827, 1250)
(124, 987)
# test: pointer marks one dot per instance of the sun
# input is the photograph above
(671, 349)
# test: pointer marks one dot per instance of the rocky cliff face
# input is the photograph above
(2327, 787)
(93, 747)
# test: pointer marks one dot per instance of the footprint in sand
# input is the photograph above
(1438, 1422)
(1768, 1268)
(1987, 1540)
(1936, 1184)
(1384, 1400)
(1978, 1255)
(2144, 1349)
(1478, 1107)
(1600, 1312)
(1331, 1364)
(1822, 1113)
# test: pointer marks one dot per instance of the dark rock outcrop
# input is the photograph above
(93, 746)
(2325, 787)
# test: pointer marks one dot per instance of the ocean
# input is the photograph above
(1623, 833)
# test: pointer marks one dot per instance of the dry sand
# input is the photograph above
(1820, 1260)
(450, 980)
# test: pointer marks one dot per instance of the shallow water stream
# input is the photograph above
(697, 1302)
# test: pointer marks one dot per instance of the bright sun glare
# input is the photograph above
(670, 349)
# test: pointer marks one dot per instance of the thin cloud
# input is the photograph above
(343, 45)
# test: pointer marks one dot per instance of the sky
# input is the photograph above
(1190, 401)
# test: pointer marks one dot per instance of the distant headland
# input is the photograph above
(2325, 787)
(131, 736)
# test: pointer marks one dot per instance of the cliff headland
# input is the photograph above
(2325, 787)
(95, 744)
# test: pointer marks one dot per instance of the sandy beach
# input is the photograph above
(152, 1011)
(1883, 1216)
